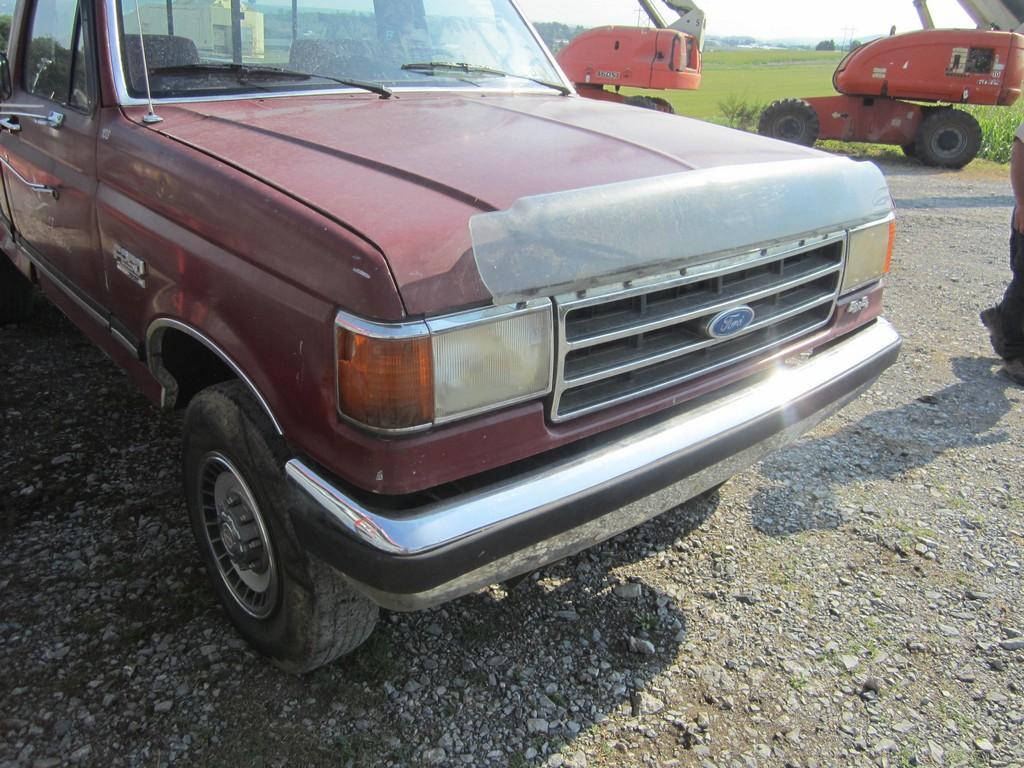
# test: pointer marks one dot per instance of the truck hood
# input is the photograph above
(410, 172)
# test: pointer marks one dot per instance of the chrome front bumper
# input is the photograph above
(446, 549)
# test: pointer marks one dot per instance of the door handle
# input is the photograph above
(10, 123)
(40, 188)
(52, 120)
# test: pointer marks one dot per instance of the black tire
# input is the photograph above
(15, 293)
(792, 120)
(651, 102)
(302, 614)
(948, 138)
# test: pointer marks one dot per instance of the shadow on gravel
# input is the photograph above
(534, 664)
(881, 446)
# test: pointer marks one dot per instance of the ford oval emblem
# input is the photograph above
(730, 322)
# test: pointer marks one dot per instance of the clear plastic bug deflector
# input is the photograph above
(579, 239)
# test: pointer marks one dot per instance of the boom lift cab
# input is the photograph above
(954, 66)
(665, 57)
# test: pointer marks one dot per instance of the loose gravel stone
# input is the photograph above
(629, 591)
(643, 647)
(536, 725)
(434, 756)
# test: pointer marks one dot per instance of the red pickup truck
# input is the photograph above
(435, 321)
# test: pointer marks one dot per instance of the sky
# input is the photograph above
(765, 19)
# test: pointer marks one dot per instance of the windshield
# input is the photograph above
(208, 47)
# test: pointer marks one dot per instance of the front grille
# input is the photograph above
(628, 340)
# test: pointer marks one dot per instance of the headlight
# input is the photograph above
(869, 254)
(409, 376)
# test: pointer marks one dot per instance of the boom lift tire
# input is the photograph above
(15, 293)
(792, 120)
(948, 138)
(651, 102)
(288, 604)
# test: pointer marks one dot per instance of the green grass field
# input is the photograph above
(755, 77)
(738, 84)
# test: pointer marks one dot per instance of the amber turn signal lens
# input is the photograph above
(892, 246)
(385, 383)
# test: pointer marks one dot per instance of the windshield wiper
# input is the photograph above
(431, 67)
(247, 71)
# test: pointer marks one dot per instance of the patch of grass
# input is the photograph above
(357, 748)
(870, 645)
(646, 620)
(739, 113)
(907, 755)
(960, 757)
(559, 699)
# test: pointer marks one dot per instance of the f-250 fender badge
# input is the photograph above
(130, 265)
(730, 322)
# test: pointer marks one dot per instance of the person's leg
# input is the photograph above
(1011, 310)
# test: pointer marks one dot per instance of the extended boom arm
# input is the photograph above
(1007, 15)
(691, 18)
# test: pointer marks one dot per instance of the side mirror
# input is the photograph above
(6, 87)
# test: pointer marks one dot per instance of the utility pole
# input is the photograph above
(847, 36)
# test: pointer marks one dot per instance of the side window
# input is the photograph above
(972, 61)
(55, 65)
(980, 60)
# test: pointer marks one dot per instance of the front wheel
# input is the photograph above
(287, 604)
(792, 120)
(15, 293)
(948, 138)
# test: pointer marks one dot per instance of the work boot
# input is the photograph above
(992, 319)
(1014, 370)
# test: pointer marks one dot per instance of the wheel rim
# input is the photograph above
(237, 536)
(789, 129)
(948, 143)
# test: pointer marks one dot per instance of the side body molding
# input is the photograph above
(169, 387)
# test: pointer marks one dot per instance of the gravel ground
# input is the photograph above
(853, 600)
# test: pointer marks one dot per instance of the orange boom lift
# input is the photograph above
(900, 89)
(665, 58)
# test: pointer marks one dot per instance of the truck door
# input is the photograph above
(48, 148)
